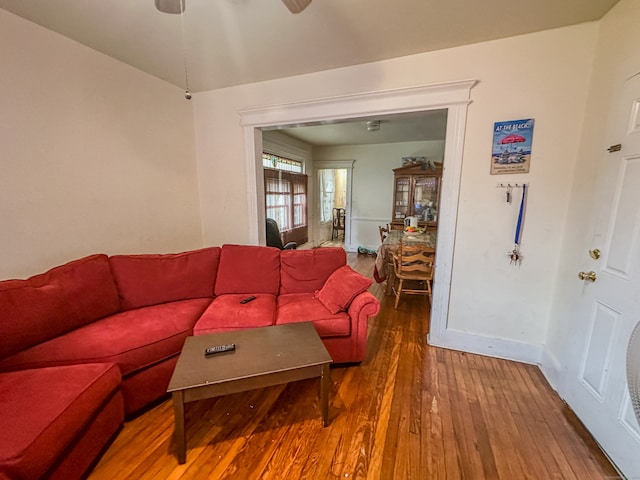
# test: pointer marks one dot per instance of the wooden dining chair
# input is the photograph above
(338, 222)
(415, 264)
(383, 233)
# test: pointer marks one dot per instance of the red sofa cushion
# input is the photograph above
(45, 410)
(303, 271)
(341, 288)
(52, 303)
(248, 270)
(304, 307)
(133, 340)
(226, 313)
(144, 280)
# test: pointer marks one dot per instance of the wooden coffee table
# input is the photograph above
(263, 357)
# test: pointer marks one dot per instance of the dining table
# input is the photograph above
(383, 269)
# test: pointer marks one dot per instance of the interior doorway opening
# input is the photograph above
(454, 96)
(332, 206)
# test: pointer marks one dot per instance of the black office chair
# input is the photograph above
(274, 239)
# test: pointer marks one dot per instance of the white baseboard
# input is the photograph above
(490, 346)
(546, 361)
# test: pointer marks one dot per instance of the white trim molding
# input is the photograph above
(454, 96)
(490, 346)
(411, 99)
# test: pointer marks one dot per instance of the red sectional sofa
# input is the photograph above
(92, 341)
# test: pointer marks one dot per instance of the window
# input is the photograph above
(286, 197)
(280, 163)
(299, 201)
(278, 199)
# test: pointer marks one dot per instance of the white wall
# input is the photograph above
(542, 76)
(96, 156)
(372, 183)
(617, 59)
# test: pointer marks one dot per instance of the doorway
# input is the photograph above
(333, 203)
(453, 96)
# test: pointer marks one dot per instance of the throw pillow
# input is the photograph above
(341, 288)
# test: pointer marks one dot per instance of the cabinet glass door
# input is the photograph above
(401, 202)
(425, 198)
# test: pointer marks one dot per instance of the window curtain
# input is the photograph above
(327, 192)
(340, 197)
(299, 201)
(278, 200)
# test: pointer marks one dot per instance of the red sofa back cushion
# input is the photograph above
(305, 271)
(248, 269)
(52, 303)
(152, 279)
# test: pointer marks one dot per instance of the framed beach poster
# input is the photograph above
(511, 151)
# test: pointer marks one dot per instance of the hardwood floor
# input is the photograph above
(409, 411)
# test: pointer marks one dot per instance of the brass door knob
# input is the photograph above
(588, 276)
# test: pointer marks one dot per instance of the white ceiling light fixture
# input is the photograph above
(296, 6)
(178, 6)
(170, 6)
(373, 125)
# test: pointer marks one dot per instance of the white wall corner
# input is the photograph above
(551, 369)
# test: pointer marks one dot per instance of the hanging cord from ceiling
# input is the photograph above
(187, 93)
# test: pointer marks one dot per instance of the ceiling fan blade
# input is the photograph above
(295, 6)
(170, 6)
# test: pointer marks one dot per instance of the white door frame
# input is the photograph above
(454, 96)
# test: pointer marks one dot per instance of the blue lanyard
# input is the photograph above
(520, 215)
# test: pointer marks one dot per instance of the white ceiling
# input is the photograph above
(232, 42)
(405, 127)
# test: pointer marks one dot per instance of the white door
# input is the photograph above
(609, 307)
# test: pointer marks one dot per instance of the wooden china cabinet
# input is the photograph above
(416, 192)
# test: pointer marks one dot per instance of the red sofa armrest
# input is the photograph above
(364, 306)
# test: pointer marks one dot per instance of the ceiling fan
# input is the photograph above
(178, 6)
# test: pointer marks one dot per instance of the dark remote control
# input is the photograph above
(248, 299)
(219, 349)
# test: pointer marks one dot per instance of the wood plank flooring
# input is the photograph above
(409, 411)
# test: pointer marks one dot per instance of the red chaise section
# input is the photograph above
(135, 341)
(48, 413)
